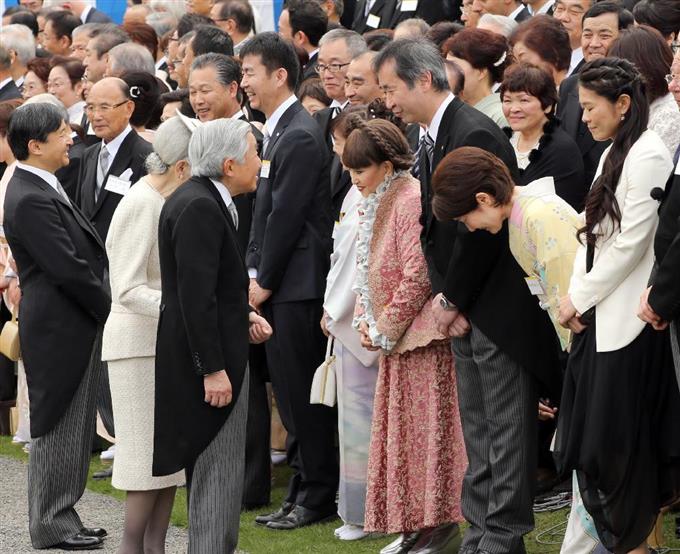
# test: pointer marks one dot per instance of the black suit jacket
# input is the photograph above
(476, 271)
(131, 155)
(95, 16)
(10, 91)
(340, 181)
(309, 70)
(61, 262)
(570, 113)
(382, 9)
(664, 297)
(290, 240)
(557, 156)
(203, 326)
(523, 15)
(431, 11)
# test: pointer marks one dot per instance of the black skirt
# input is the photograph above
(619, 429)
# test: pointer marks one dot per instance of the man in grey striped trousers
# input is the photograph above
(61, 263)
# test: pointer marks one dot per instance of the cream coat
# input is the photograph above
(624, 258)
(132, 248)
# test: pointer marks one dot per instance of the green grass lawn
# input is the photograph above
(319, 539)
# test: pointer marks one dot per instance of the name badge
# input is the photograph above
(409, 5)
(117, 185)
(535, 286)
(373, 21)
(264, 169)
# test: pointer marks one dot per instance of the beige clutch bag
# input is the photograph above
(9, 339)
(323, 385)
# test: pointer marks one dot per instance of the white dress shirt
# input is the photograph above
(114, 145)
(86, 12)
(543, 9)
(576, 58)
(75, 112)
(46, 176)
(226, 198)
(517, 11)
(433, 128)
(5, 82)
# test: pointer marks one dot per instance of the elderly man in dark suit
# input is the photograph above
(8, 88)
(480, 290)
(288, 258)
(61, 264)
(107, 170)
(203, 334)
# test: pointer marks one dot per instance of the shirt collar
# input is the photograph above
(517, 11)
(433, 127)
(576, 57)
(543, 9)
(46, 176)
(223, 192)
(5, 82)
(20, 81)
(273, 120)
(313, 53)
(341, 105)
(75, 112)
(114, 145)
(160, 62)
(86, 12)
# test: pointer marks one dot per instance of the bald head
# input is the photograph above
(109, 107)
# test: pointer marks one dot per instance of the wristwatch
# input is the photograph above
(446, 305)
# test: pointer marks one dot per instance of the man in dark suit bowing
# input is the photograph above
(214, 93)
(61, 263)
(288, 258)
(203, 334)
(497, 361)
(107, 170)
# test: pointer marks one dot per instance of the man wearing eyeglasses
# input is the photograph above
(110, 166)
(673, 78)
(337, 49)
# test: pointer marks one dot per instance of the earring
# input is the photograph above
(623, 117)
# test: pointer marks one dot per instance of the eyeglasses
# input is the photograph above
(671, 77)
(332, 67)
(103, 108)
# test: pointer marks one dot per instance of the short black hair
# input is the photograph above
(241, 12)
(14, 9)
(180, 95)
(63, 23)
(625, 17)
(189, 21)
(663, 15)
(209, 38)
(26, 18)
(308, 17)
(275, 53)
(227, 68)
(32, 122)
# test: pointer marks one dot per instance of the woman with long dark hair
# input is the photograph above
(620, 404)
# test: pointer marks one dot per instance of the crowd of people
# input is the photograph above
(441, 235)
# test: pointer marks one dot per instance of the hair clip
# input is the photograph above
(501, 59)
(135, 91)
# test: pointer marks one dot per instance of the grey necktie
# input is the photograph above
(62, 192)
(102, 168)
(426, 146)
(234, 214)
(265, 142)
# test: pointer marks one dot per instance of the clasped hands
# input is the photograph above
(569, 316)
(257, 295)
(647, 314)
(451, 323)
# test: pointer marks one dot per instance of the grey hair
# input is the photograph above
(174, 7)
(5, 58)
(20, 39)
(162, 22)
(416, 26)
(170, 145)
(88, 29)
(504, 24)
(354, 41)
(226, 68)
(131, 56)
(412, 59)
(215, 142)
(46, 98)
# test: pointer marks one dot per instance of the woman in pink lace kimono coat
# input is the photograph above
(417, 456)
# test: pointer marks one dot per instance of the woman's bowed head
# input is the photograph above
(474, 187)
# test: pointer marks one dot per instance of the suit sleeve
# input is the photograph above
(299, 172)
(53, 250)
(197, 243)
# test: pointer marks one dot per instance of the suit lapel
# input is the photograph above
(208, 184)
(286, 118)
(118, 165)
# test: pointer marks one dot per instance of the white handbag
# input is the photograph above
(323, 385)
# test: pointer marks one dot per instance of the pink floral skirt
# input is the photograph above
(417, 456)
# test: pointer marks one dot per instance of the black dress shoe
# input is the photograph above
(302, 517)
(103, 474)
(282, 512)
(93, 532)
(402, 545)
(444, 539)
(79, 542)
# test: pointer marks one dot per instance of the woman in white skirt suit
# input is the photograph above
(129, 343)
